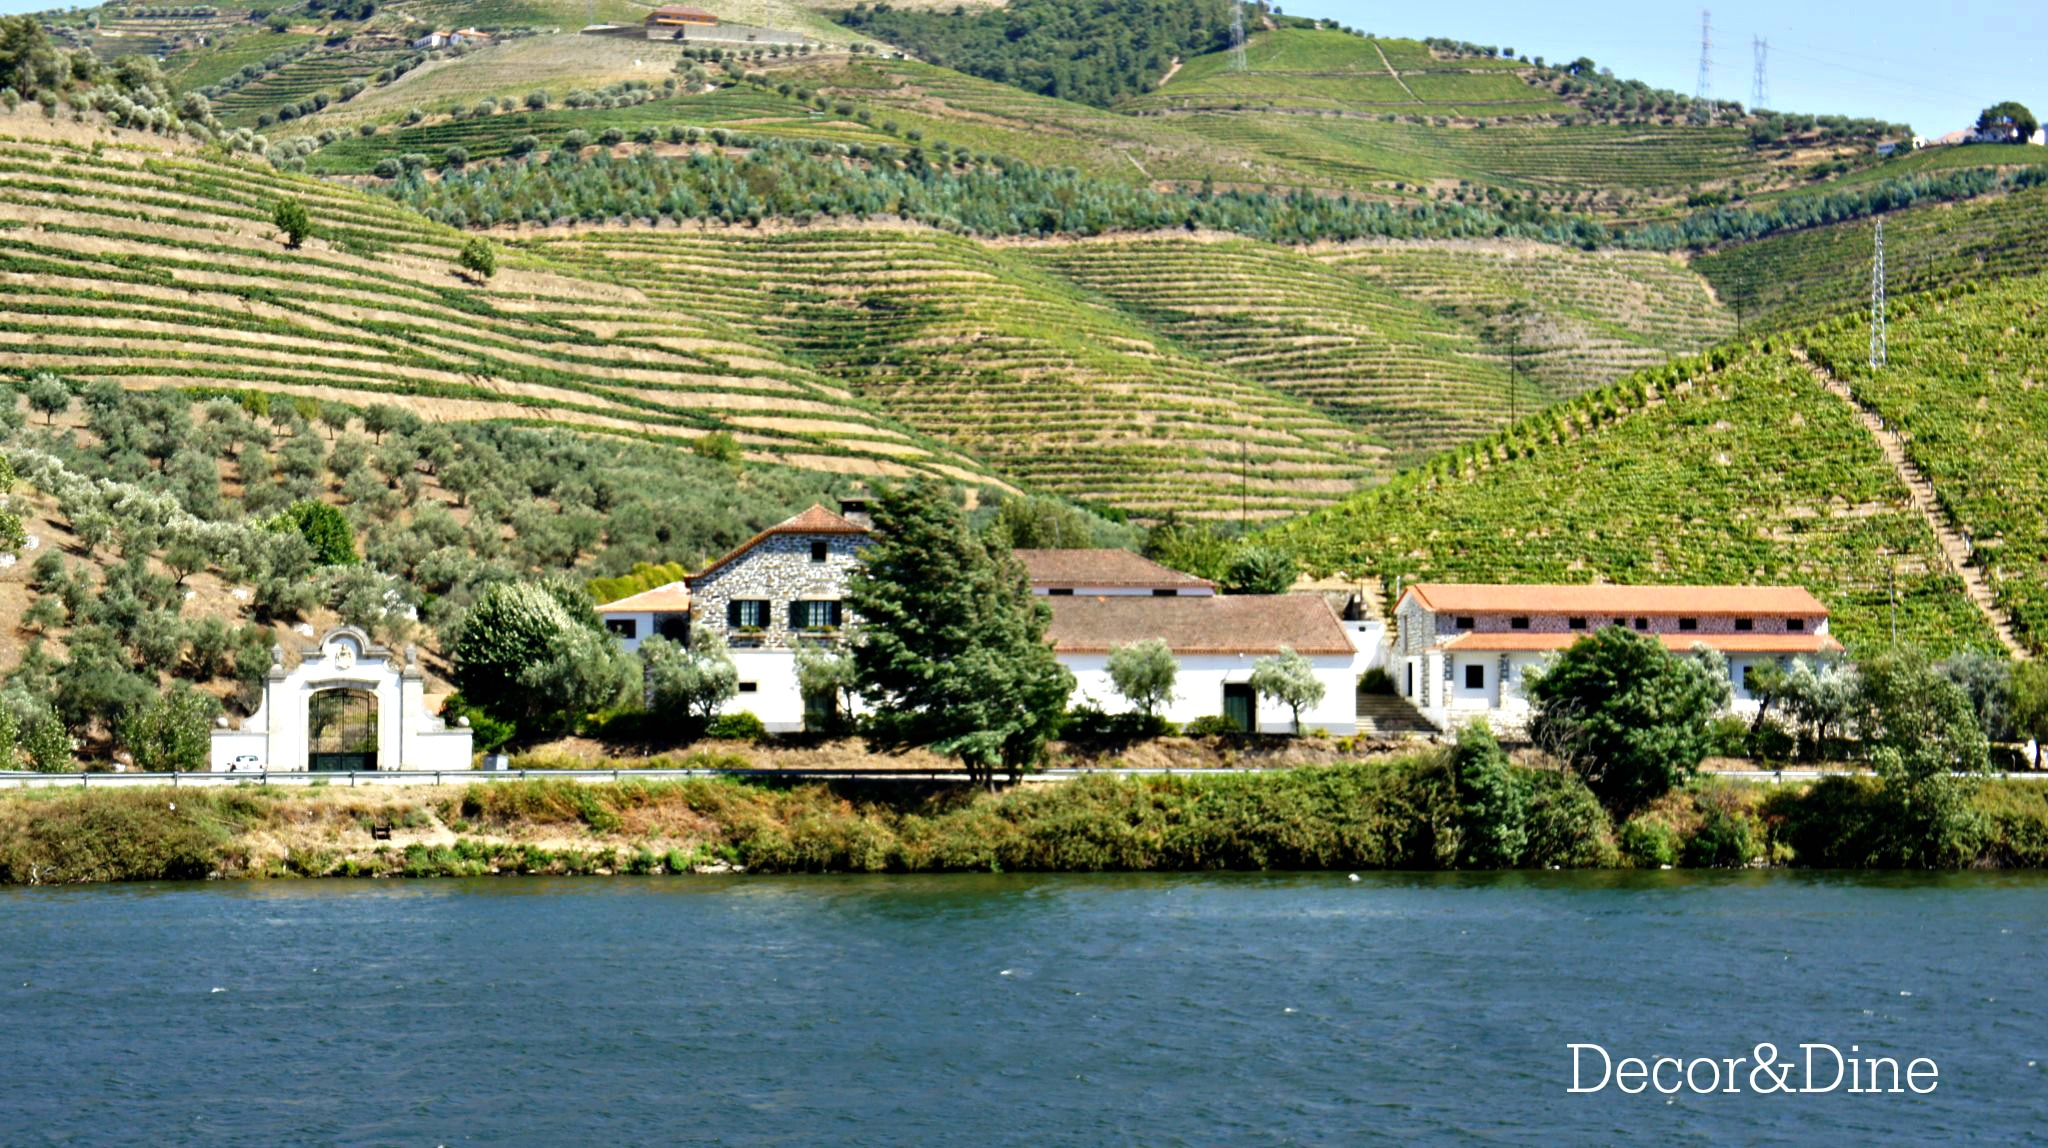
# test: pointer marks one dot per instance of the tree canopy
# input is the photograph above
(2009, 114)
(951, 650)
(1630, 717)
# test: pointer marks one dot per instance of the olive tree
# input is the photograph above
(1143, 673)
(695, 680)
(1289, 679)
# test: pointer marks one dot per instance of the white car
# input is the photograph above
(246, 763)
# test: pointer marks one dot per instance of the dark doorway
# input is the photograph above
(341, 731)
(1241, 706)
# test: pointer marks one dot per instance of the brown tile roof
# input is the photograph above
(1524, 640)
(1199, 625)
(1106, 569)
(1718, 601)
(673, 598)
(816, 520)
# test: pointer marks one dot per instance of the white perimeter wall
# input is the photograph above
(1198, 690)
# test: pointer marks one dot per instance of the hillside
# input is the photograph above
(155, 267)
(1749, 472)
(1792, 279)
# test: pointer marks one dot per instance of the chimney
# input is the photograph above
(854, 508)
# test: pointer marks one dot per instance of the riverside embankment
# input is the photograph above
(1402, 813)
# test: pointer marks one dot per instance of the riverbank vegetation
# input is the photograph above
(1422, 812)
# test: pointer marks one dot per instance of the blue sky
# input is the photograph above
(1934, 66)
(1931, 65)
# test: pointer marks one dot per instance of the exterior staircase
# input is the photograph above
(1390, 715)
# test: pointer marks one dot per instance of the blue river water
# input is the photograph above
(1244, 1009)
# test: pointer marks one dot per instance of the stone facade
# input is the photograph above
(778, 569)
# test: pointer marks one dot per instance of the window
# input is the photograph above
(1688, 625)
(1518, 623)
(1744, 625)
(1795, 625)
(747, 614)
(1742, 679)
(1578, 623)
(674, 627)
(1642, 623)
(1475, 677)
(820, 614)
(819, 551)
(1157, 593)
(1061, 591)
(750, 687)
(624, 627)
(1464, 623)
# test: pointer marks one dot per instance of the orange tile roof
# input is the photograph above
(816, 520)
(1106, 569)
(673, 598)
(1205, 624)
(1717, 601)
(1525, 640)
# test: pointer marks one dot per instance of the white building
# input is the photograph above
(1217, 640)
(664, 610)
(1463, 651)
(396, 730)
(781, 590)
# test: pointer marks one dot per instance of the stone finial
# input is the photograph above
(276, 655)
(412, 654)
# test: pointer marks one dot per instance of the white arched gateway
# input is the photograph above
(348, 705)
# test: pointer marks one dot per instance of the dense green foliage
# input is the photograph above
(952, 652)
(1626, 715)
(1090, 51)
(323, 527)
(1690, 474)
(1493, 802)
(534, 653)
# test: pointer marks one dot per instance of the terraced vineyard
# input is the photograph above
(1789, 280)
(1751, 473)
(1550, 159)
(487, 137)
(309, 74)
(1324, 69)
(154, 268)
(979, 347)
(1570, 320)
(1371, 357)
(1967, 387)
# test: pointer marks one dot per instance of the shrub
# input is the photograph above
(479, 258)
(741, 726)
(1210, 725)
(1492, 802)
(289, 216)
(1630, 718)
(1723, 839)
(1648, 844)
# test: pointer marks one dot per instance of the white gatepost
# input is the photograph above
(278, 735)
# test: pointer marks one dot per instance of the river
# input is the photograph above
(1244, 1009)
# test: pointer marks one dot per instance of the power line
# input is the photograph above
(1760, 91)
(1880, 352)
(1706, 84)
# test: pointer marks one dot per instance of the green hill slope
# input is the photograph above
(1791, 279)
(1747, 473)
(1294, 68)
(974, 345)
(1967, 388)
(161, 268)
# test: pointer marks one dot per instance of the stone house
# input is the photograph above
(781, 589)
(1464, 651)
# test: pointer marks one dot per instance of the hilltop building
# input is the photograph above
(675, 22)
(664, 610)
(1463, 651)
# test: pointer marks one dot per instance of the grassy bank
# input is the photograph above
(1399, 814)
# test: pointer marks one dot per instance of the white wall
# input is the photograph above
(1198, 690)
(775, 698)
(643, 625)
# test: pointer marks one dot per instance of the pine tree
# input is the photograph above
(952, 651)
